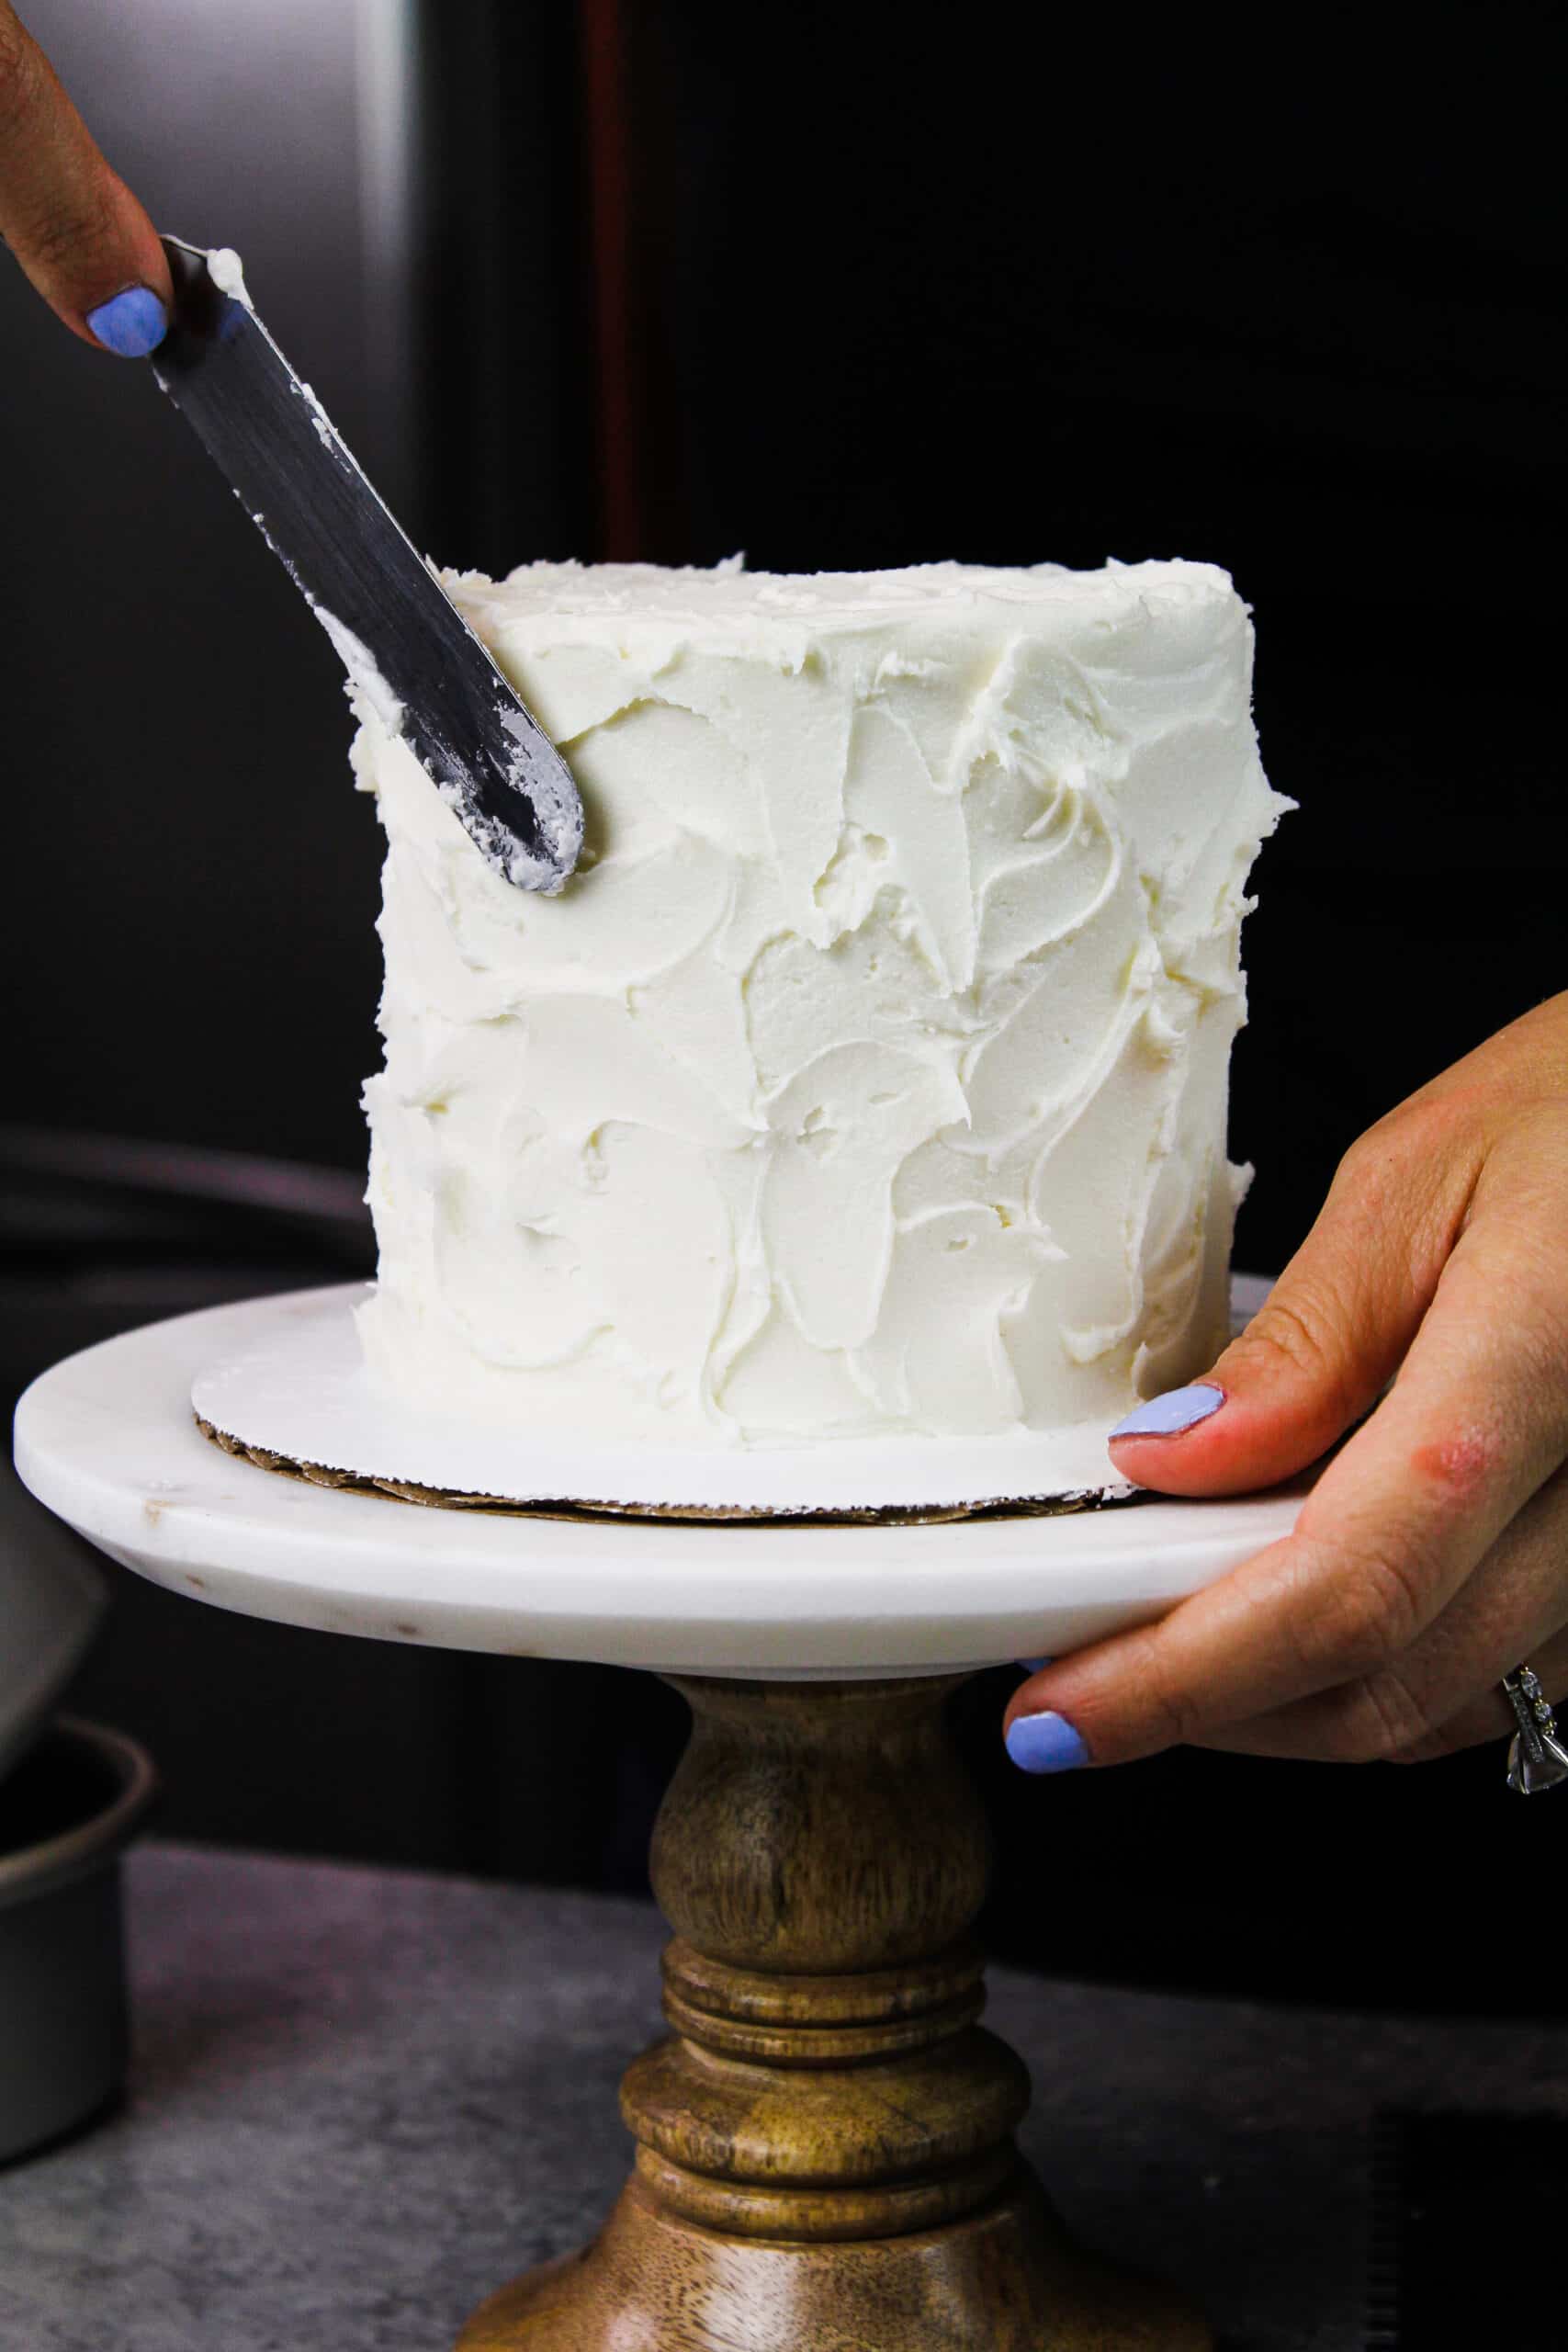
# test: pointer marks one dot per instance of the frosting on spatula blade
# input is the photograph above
(410, 656)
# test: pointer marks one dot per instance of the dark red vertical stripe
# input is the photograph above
(611, 198)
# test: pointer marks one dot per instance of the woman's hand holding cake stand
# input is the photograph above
(75, 228)
(1431, 1556)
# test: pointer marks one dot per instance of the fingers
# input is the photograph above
(1338, 1322)
(1489, 1715)
(1474, 1425)
(1443, 1692)
(78, 232)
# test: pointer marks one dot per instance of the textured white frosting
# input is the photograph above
(870, 1075)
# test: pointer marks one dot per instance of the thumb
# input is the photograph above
(1329, 1337)
(80, 235)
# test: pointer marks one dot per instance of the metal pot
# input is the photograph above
(67, 1812)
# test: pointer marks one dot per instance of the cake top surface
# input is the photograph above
(937, 591)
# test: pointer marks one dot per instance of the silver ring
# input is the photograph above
(1537, 1757)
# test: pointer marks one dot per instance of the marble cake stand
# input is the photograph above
(825, 2159)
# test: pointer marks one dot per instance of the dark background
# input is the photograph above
(844, 288)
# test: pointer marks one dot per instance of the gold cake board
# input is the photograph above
(299, 1387)
(319, 1473)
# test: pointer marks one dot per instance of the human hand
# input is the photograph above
(1431, 1556)
(72, 222)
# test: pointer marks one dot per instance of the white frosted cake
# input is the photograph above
(869, 1076)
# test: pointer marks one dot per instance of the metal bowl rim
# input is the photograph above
(33, 1871)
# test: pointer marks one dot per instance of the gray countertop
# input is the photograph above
(362, 2098)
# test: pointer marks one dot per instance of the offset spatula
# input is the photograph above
(401, 638)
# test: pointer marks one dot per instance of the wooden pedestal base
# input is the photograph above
(825, 2159)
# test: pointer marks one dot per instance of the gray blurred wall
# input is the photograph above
(190, 881)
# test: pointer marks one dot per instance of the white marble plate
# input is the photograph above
(107, 1440)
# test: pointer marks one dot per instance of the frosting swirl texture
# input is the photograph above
(870, 1075)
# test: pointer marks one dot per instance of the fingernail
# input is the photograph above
(1032, 1665)
(1045, 1743)
(1179, 1409)
(131, 323)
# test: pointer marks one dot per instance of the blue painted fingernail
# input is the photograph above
(1045, 1743)
(1179, 1409)
(1032, 1665)
(132, 323)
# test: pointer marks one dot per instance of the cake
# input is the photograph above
(869, 1076)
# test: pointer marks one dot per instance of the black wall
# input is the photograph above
(1276, 288)
(1280, 288)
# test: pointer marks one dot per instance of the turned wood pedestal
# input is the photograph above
(825, 2158)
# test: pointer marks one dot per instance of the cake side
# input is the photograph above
(871, 1074)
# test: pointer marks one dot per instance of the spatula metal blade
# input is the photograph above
(402, 639)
